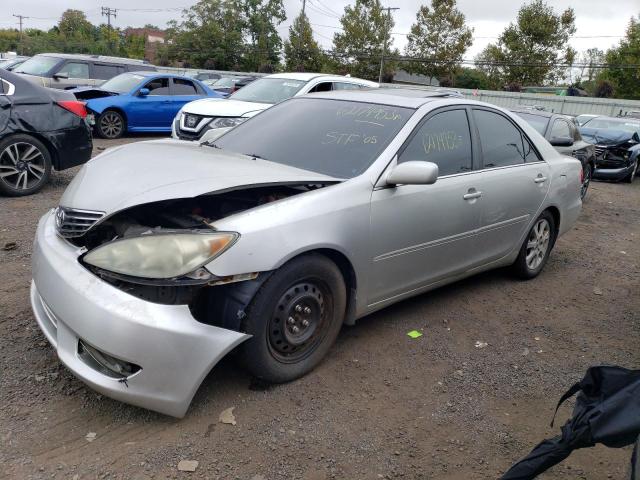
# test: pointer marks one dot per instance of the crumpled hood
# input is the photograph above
(607, 136)
(220, 107)
(87, 93)
(157, 170)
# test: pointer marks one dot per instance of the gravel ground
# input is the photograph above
(382, 405)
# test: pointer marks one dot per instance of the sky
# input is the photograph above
(602, 21)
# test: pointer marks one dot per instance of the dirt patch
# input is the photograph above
(382, 405)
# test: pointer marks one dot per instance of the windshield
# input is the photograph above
(268, 90)
(332, 137)
(614, 124)
(224, 82)
(39, 65)
(536, 121)
(122, 83)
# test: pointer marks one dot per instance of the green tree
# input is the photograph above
(262, 18)
(626, 79)
(439, 35)
(358, 48)
(301, 51)
(74, 24)
(529, 50)
(210, 32)
(471, 78)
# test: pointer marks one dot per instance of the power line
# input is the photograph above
(109, 12)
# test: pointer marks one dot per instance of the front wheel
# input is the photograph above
(632, 175)
(536, 247)
(294, 319)
(110, 124)
(586, 180)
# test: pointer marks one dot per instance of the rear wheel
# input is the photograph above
(631, 177)
(25, 165)
(536, 247)
(110, 124)
(294, 319)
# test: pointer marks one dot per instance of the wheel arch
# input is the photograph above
(115, 108)
(53, 152)
(555, 213)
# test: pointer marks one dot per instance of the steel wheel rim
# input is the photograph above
(586, 181)
(298, 323)
(22, 166)
(111, 124)
(538, 243)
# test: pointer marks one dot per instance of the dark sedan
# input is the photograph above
(562, 133)
(617, 142)
(40, 129)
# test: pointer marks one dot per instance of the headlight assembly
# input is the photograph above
(160, 256)
(222, 122)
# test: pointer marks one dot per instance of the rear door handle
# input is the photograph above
(540, 179)
(472, 194)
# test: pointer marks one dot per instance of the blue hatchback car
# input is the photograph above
(140, 101)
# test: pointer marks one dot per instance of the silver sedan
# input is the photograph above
(164, 256)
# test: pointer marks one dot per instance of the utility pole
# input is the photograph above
(300, 67)
(109, 12)
(21, 18)
(384, 40)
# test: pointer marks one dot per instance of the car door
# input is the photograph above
(77, 74)
(6, 91)
(144, 111)
(183, 91)
(512, 183)
(421, 234)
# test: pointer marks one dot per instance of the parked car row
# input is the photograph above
(317, 212)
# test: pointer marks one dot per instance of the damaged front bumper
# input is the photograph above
(97, 329)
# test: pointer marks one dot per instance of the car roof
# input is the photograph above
(307, 76)
(96, 58)
(540, 113)
(619, 119)
(374, 95)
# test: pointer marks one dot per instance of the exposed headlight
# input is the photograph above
(222, 122)
(165, 255)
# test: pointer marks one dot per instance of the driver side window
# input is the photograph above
(445, 140)
(75, 70)
(158, 86)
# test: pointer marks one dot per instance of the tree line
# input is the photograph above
(243, 35)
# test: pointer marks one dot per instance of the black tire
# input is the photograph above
(276, 353)
(631, 177)
(525, 267)
(111, 124)
(587, 173)
(25, 165)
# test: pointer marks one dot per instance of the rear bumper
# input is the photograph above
(73, 145)
(174, 351)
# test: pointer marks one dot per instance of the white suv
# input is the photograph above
(199, 116)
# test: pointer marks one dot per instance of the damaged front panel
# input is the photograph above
(213, 300)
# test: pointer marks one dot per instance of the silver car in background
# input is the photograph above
(163, 256)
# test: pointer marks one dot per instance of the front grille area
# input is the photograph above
(192, 126)
(600, 151)
(72, 222)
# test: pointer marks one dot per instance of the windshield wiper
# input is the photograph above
(254, 156)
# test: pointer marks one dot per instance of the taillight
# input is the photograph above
(581, 176)
(75, 107)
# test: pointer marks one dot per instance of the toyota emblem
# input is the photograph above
(60, 217)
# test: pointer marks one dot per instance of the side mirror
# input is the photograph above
(143, 92)
(413, 173)
(59, 76)
(561, 142)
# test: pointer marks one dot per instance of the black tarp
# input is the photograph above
(607, 411)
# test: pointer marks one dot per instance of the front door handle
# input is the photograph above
(540, 179)
(472, 194)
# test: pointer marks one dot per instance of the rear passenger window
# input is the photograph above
(158, 86)
(346, 86)
(321, 87)
(183, 87)
(106, 72)
(445, 140)
(502, 143)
